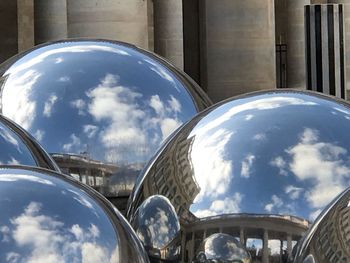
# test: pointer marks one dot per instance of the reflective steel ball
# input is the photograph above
(17, 147)
(101, 108)
(328, 239)
(224, 248)
(49, 217)
(260, 167)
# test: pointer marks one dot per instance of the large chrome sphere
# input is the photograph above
(102, 108)
(17, 147)
(328, 239)
(259, 167)
(49, 217)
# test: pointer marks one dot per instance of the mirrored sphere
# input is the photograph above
(17, 147)
(156, 224)
(259, 167)
(328, 239)
(101, 108)
(222, 248)
(49, 217)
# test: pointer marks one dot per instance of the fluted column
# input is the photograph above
(25, 18)
(168, 30)
(289, 244)
(117, 20)
(8, 27)
(242, 236)
(50, 20)
(265, 255)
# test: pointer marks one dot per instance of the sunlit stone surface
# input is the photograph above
(17, 147)
(102, 108)
(48, 217)
(260, 167)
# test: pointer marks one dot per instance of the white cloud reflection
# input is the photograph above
(39, 238)
(49, 105)
(247, 164)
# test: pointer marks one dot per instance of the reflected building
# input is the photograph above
(262, 167)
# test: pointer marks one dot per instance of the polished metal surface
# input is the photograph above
(260, 167)
(49, 217)
(102, 108)
(328, 239)
(17, 147)
(156, 224)
(224, 248)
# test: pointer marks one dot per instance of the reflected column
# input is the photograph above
(265, 254)
(289, 244)
(168, 30)
(242, 236)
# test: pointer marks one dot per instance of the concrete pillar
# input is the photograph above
(242, 236)
(117, 20)
(8, 28)
(183, 246)
(25, 17)
(150, 19)
(50, 20)
(324, 34)
(191, 251)
(289, 244)
(295, 40)
(265, 255)
(168, 30)
(204, 234)
(238, 47)
(346, 11)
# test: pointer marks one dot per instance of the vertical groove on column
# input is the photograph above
(331, 50)
(342, 56)
(318, 35)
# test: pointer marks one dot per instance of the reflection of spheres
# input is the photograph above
(48, 217)
(224, 248)
(283, 153)
(101, 107)
(158, 228)
(328, 239)
(17, 147)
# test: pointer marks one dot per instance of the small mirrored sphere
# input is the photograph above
(260, 167)
(222, 248)
(17, 147)
(328, 239)
(158, 228)
(101, 108)
(49, 217)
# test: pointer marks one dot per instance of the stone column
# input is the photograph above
(289, 244)
(168, 30)
(117, 20)
(238, 47)
(50, 20)
(296, 44)
(242, 236)
(324, 34)
(192, 252)
(8, 28)
(265, 254)
(25, 17)
(183, 246)
(346, 11)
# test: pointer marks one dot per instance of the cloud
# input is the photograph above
(74, 143)
(90, 130)
(324, 164)
(259, 137)
(229, 205)
(249, 117)
(246, 165)
(17, 104)
(315, 214)
(276, 202)
(293, 192)
(208, 157)
(49, 105)
(40, 238)
(80, 105)
(39, 135)
(281, 164)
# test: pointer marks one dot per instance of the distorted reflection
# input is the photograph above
(36, 227)
(17, 147)
(260, 164)
(116, 113)
(328, 239)
(157, 226)
(222, 248)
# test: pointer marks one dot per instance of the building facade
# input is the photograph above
(229, 47)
